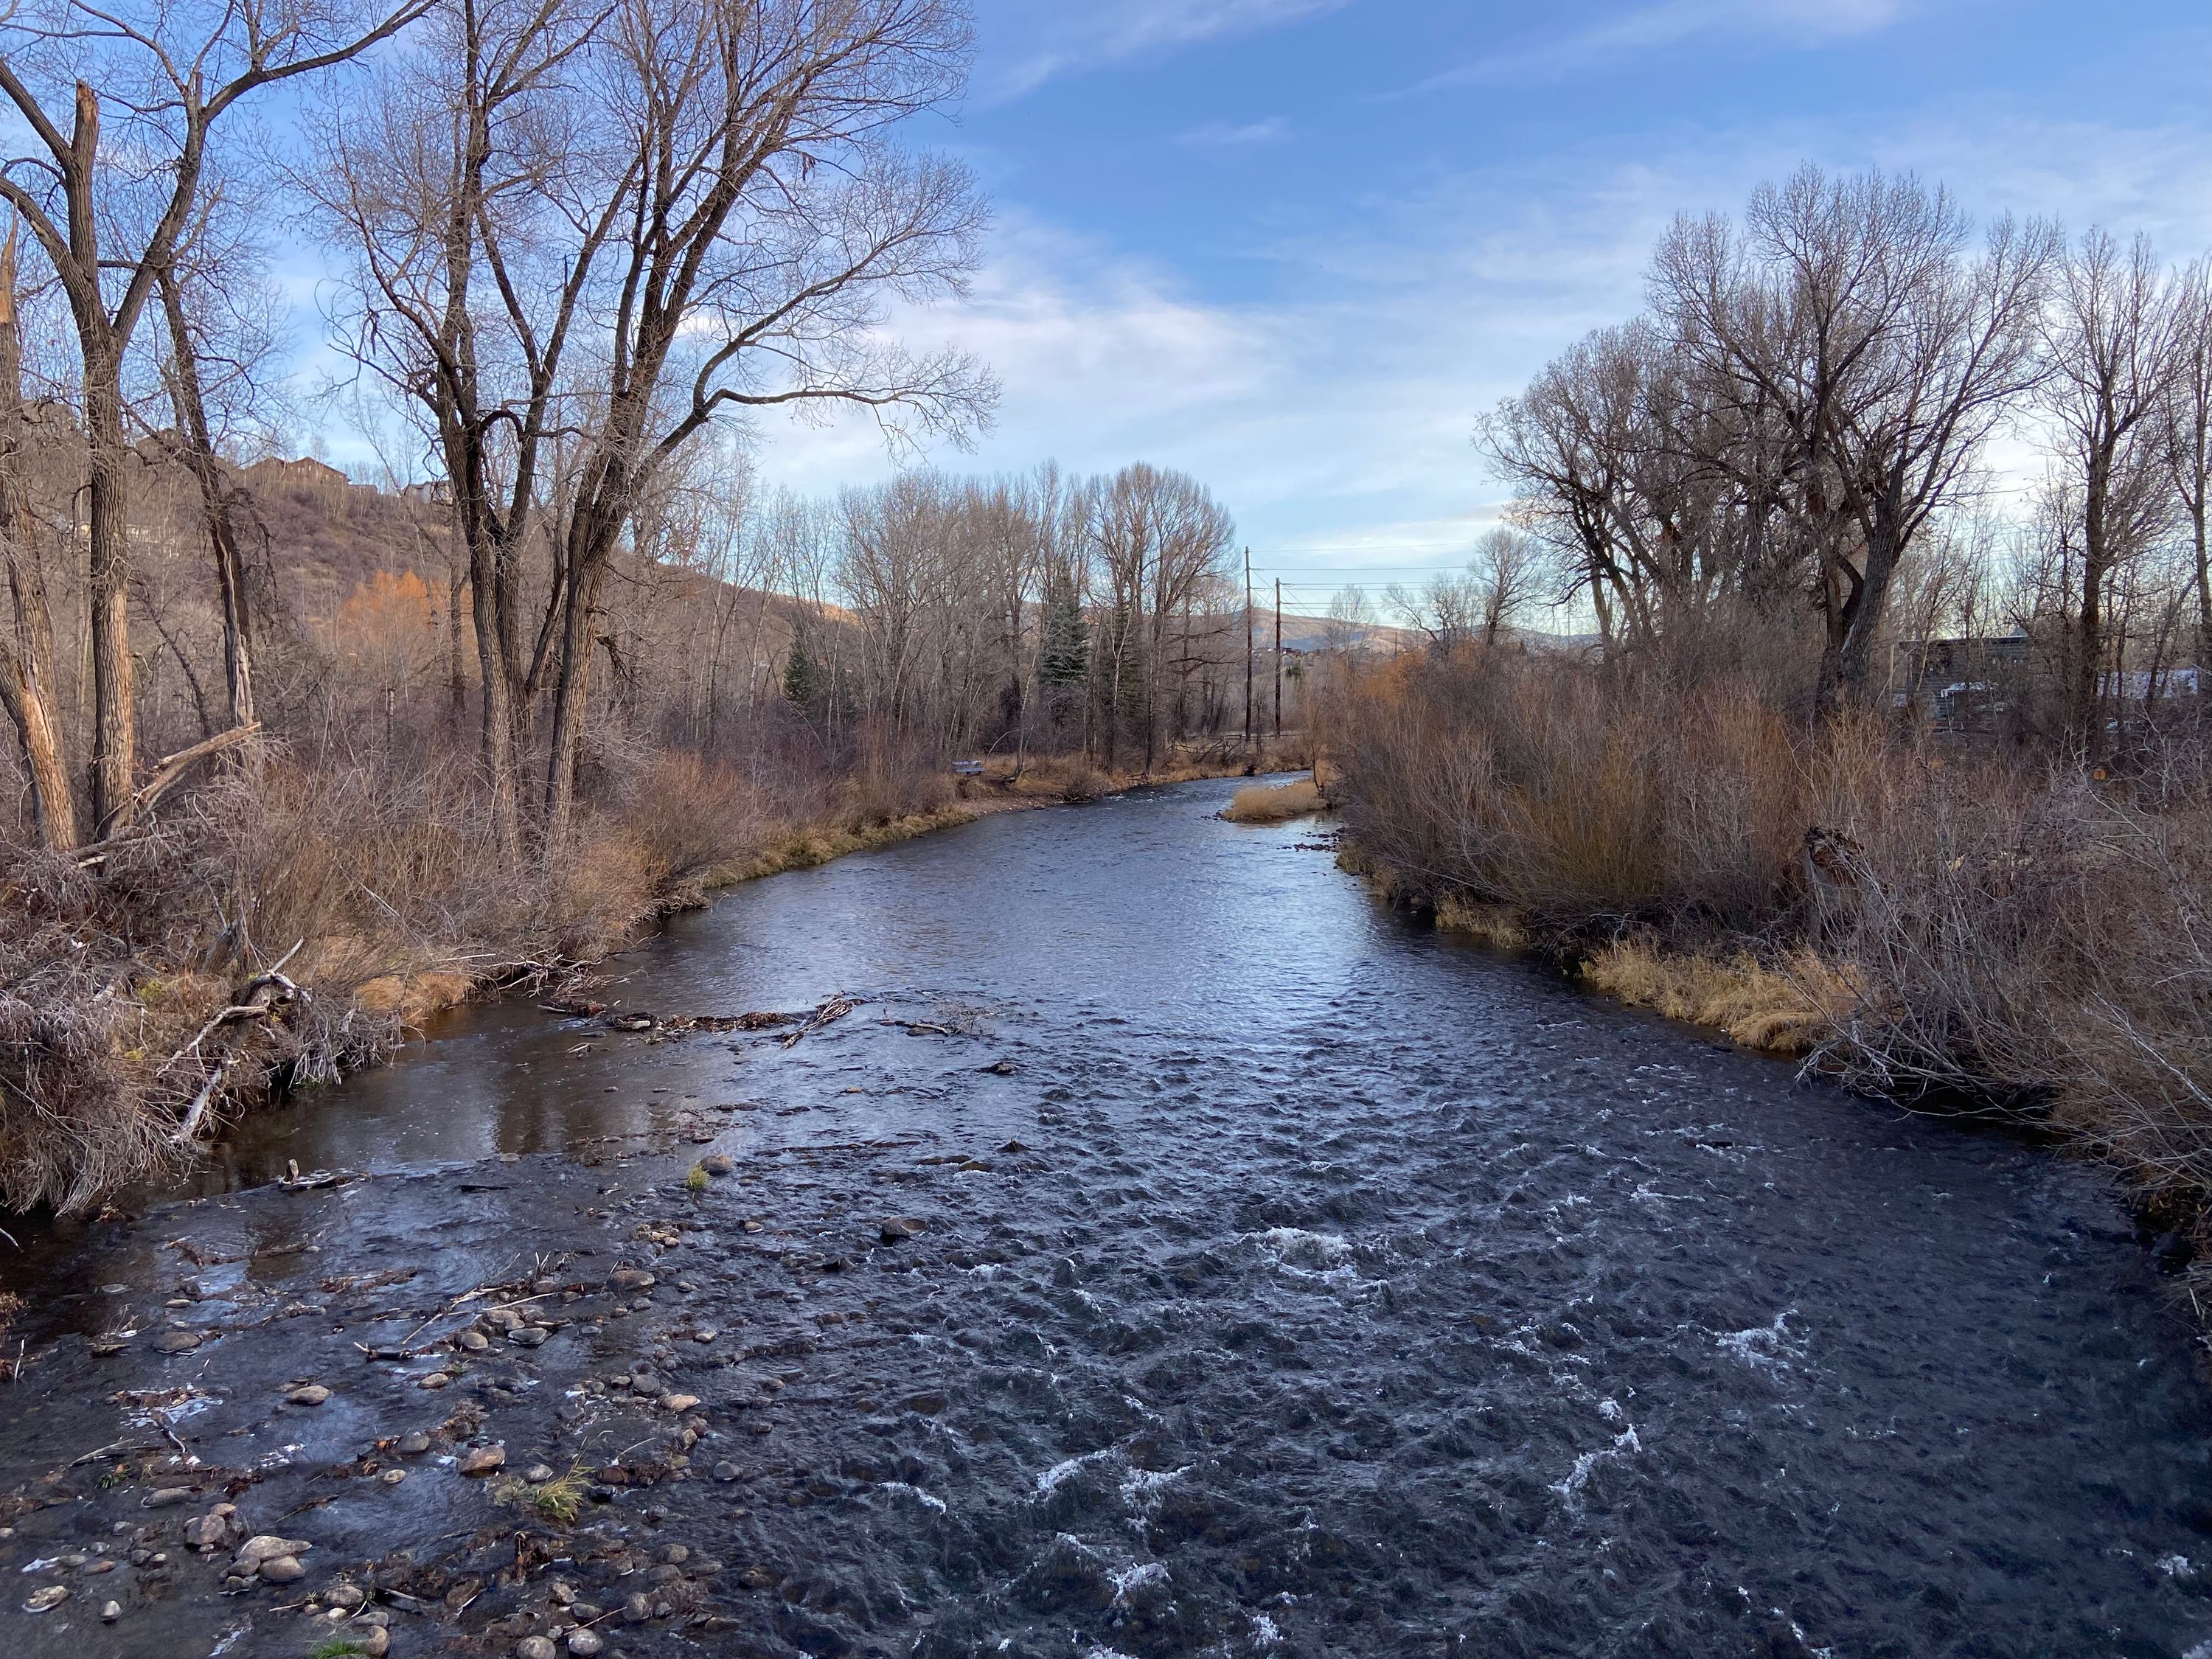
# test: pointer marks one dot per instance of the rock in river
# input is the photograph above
(311, 1394)
(718, 1163)
(47, 1599)
(900, 1228)
(268, 1547)
(483, 1460)
(282, 1570)
(219, 1529)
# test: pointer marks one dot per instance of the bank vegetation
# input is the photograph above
(1858, 759)
(299, 754)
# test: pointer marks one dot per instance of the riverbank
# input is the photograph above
(280, 934)
(1966, 928)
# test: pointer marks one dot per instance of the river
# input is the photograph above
(1293, 1280)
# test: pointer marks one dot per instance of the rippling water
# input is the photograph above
(1314, 1284)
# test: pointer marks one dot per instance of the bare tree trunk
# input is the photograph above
(108, 569)
(2084, 697)
(215, 496)
(27, 655)
(572, 684)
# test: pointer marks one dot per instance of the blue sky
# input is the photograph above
(1296, 247)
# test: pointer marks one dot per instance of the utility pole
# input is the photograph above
(1279, 656)
(1248, 650)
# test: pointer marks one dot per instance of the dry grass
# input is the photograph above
(1275, 804)
(1791, 1009)
(1494, 925)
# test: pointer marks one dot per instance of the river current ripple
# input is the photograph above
(1314, 1284)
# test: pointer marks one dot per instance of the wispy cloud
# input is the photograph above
(1644, 30)
(1335, 419)
(1057, 39)
(1228, 135)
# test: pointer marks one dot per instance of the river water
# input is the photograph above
(1296, 1281)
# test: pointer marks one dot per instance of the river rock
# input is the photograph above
(538, 1474)
(110, 1612)
(483, 1460)
(282, 1570)
(726, 1471)
(218, 1529)
(392, 1477)
(177, 1341)
(679, 1403)
(900, 1228)
(584, 1644)
(166, 1498)
(474, 1341)
(312, 1393)
(632, 1278)
(704, 1333)
(535, 1647)
(718, 1163)
(348, 1596)
(435, 1380)
(268, 1547)
(376, 1642)
(53, 1595)
(529, 1336)
(414, 1445)
(636, 1611)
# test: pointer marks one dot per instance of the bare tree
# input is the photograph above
(224, 388)
(2114, 342)
(107, 210)
(2189, 434)
(1847, 311)
(28, 682)
(767, 219)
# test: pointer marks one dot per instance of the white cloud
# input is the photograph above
(1335, 420)
(1225, 135)
(1057, 38)
(1671, 23)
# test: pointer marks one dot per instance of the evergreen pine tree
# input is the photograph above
(802, 677)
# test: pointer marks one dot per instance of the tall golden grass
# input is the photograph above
(1275, 802)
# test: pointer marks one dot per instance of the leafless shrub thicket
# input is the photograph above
(1855, 760)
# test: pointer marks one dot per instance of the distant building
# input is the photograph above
(1962, 683)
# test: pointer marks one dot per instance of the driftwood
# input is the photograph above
(836, 1008)
(265, 995)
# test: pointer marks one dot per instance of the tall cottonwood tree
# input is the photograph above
(2115, 341)
(594, 229)
(1848, 314)
(28, 682)
(118, 107)
(2189, 434)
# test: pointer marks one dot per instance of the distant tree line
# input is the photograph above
(1788, 452)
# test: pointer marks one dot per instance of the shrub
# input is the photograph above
(1275, 804)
